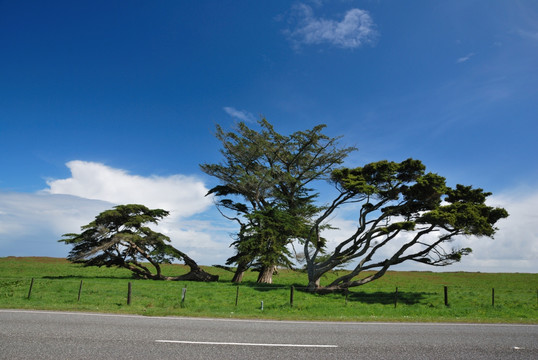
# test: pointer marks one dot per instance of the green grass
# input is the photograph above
(420, 294)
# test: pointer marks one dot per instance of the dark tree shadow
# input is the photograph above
(82, 277)
(262, 287)
(386, 298)
(378, 297)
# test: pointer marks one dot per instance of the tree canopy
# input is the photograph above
(267, 185)
(120, 237)
(264, 185)
(402, 206)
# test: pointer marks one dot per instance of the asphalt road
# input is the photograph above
(57, 335)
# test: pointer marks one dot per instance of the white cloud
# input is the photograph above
(515, 245)
(200, 239)
(31, 224)
(181, 195)
(240, 114)
(465, 58)
(355, 29)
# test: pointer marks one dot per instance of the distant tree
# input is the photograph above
(401, 206)
(119, 237)
(265, 181)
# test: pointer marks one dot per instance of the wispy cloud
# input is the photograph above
(532, 35)
(240, 114)
(465, 58)
(355, 29)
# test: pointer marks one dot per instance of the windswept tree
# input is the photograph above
(120, 237)
(401, 206)
(264, 239)
(265, 186)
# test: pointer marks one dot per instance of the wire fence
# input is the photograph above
(159, 293)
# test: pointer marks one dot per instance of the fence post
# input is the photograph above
(79, 290)
(396, 297)
(30, 291)
(292, 289)
(183, 294)
(347, 294)
(446, 295)
(129, 290)
(493, 297)
(236, 295)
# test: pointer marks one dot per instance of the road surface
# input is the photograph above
(58, 335)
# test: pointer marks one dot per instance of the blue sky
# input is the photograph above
(105, 102)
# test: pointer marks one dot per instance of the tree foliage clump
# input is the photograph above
(265, 186)
(119, 237)
(402, 206)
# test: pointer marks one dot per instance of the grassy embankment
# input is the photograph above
(420, 294)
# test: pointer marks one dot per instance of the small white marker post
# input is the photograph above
(183, 293)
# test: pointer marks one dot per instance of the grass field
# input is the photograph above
(420, 294)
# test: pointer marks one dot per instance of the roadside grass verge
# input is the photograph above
(420, 295)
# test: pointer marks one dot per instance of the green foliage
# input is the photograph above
(266, 235)
(119, 237)
(397, 198)
(264, 186)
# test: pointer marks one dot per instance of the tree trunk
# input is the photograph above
(196, 273)
(238, 276)
(266, 274)
(239, 272)
(322, 290)
(313, 285)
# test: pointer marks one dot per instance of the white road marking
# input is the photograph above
(243, 344)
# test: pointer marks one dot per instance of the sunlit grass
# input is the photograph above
(420, 294)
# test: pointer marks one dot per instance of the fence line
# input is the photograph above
(399, 293)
